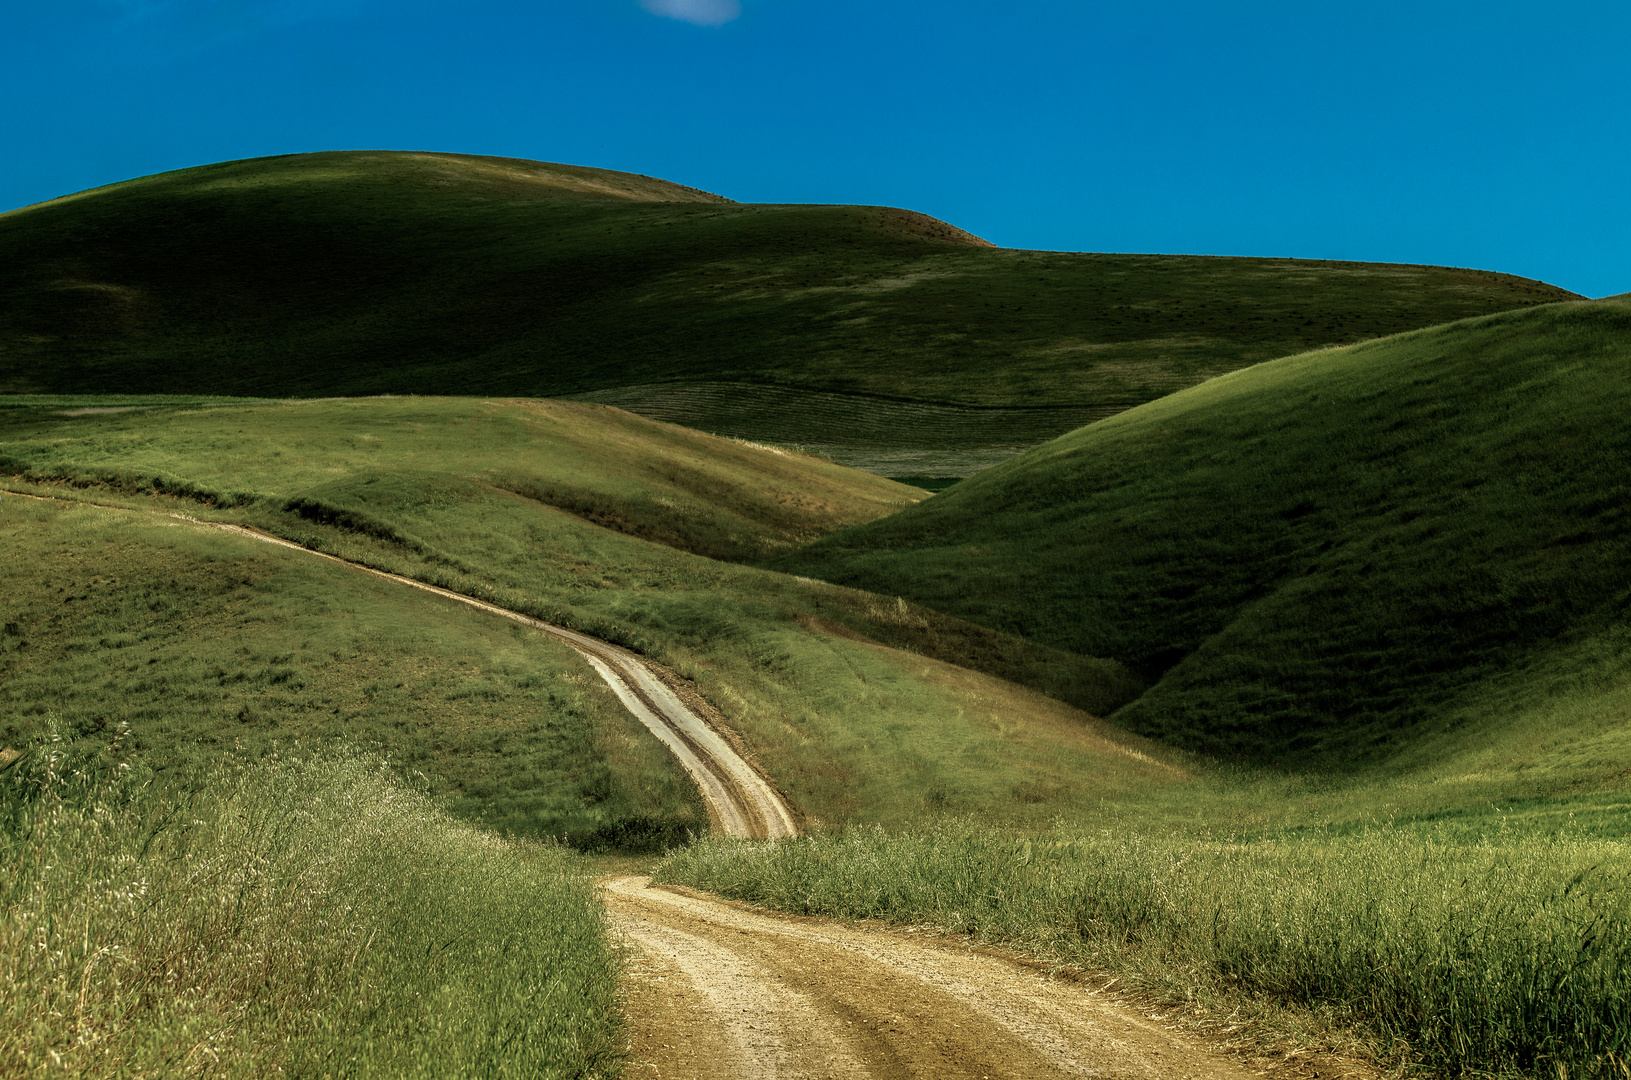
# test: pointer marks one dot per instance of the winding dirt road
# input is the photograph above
(717, 990)
(740, 802)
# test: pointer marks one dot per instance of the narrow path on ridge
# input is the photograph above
(740, 802)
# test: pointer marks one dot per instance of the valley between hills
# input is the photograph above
(1244, 639)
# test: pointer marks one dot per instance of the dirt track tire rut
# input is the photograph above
(719, 990)
(740, 802)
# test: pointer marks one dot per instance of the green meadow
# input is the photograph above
(204, 645)
(1408, 554)
(121, 614)
(856, 704)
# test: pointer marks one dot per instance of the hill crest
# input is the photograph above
(475, 173)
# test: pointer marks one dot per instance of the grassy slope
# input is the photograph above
(363, 273)
(1411, 550)
(706, 495)
(851, 728)
(203, 642)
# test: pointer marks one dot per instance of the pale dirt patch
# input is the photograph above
(716, 989)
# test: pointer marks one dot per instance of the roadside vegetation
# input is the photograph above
(301, 915)
(369, 272)
(1509, 956)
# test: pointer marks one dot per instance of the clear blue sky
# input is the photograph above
(1492, 134)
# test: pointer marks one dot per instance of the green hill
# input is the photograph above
(203, 644)
(876, 336)
(1414, 550)
(575, 513)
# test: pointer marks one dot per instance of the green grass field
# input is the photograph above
(369, 273)
(204, 644)
(1357, 615)
(708, 496)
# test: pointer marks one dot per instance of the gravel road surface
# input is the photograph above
(716, 990)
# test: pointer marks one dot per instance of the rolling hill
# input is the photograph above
(579, 514)
(875, 336)
(1413, 551)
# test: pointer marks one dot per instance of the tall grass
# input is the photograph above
(1503, 957)
(296, 916)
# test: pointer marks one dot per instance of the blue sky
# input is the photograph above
(1494, 135)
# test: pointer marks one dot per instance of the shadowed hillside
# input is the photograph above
(883, 338)
(1335, 558)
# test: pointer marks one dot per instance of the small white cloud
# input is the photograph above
(701, 12)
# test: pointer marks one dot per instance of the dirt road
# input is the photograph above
(716, 991)
(740, 802)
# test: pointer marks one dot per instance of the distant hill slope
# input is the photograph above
(878, 336)
(680, 488)
(1331, 558)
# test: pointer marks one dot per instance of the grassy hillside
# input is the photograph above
(203, 643)
(1413, 550)
(706, 495)
(875, 335)
(838, 694)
